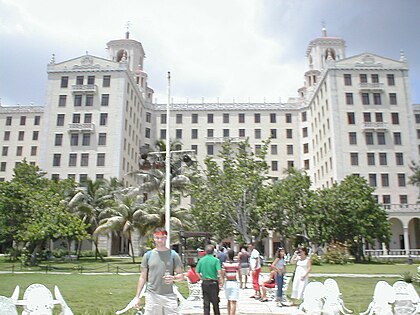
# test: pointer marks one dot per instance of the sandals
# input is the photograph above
(264, 300)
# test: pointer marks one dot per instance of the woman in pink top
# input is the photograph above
(231, 272)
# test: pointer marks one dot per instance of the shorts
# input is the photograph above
(232, 290)
(161, 304)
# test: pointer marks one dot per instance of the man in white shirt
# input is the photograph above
(255, 267)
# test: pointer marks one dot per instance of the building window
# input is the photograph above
(104, 99)
(76, 118)
(401, 180)
(78, 100)
(365, 99)
(385, 180)
(60, 119)
(162, 134)
(381, 138)
(289, 149)
(369, 138)
(379, 117)
(241, 118)
(305, 148)
(194, 133)
(91, 79)
(86, 139)
(349, 98)
(273, 118)
(64, 82)
(290, 164)
(74, 139)
(395, 119)
(241, 133)
(4, 151)
(303, 116)
(226, 133)
(210, 149)
(62, 100)
(386, 199)
(371, 158)
(84, 159)
(367, 117)
(163, 118)
(58, 141)
(72, 159)
(374, 78)
(8, 120)
(194, 147)
(178, 133)
(22, 120)
(257, 148)
(194, 118)
(225, 118)
(383, 160)
(377, 98)
(351, 120)
(257, 133)
(35, 135)
(289, 133)
(106, 81)
(354, 158)
(363, 78)
(179, 118)
(56, 159)
(352, 138)
(288, 117)
(274, 166)
(403, 199)
(210, 133)
(372, 180)
(147, 133)
(273, 133)
(79, 80)
(102, 139)
(21, 135)
(6, 136)
(397, 138)
(89, 100)
(37, 120)
(305, 132)
(257, 118)
(399, 158)
(103, 119)
(3, 166)
(392, 98)
(347, 79)
(274, 149)
(19, 150)
(100, 159)
(210, 118)
(34, 150)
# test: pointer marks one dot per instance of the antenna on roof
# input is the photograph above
(127, 34)
(324, 29)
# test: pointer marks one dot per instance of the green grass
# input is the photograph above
(104, 294)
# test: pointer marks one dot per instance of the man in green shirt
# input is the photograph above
(210, 271)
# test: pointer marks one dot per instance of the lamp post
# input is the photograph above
(168, 168)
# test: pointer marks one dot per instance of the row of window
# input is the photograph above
(226, 133)
(371, 158)
(380, 138)
(375, 97)
(84, 159)
(373, 180)
(374, 78)
(226, 117)
(76, 139)
(21, 135)
(3, 167)
(76, 118)
(82, 177)
(19, 150)
(80, 99)
(80, 80)
(367, 118)
(22, 120)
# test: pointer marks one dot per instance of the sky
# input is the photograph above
(218, 50)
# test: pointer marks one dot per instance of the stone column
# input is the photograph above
(384, 249)
(406, 241)
(270, 243)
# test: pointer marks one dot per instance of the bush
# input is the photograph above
(316, 260)
(336, 254)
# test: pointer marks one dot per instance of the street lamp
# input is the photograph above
(168, 168)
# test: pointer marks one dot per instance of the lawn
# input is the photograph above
(104, 294)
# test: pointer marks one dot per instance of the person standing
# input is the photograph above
(279, 266)
(243, 257)
(210, 271)
(231, 271)
(303, 268)
(161, 267)
(255, 267)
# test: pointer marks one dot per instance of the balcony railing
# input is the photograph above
(376, 125)
(84, 88)
(392, 208)
(82, 127)
(223, 139)
(371, 86)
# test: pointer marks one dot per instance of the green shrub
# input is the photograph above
(336, 254)
(316, 260)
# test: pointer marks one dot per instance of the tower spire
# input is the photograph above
(127, 34)
(324, 29)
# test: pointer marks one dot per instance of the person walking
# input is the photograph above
(255, 267)
(279, 266)
(303, 268)
(161, 266)
(243, 257)
(210, 271)
(231, 271)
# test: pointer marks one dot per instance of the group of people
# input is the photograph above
(161, 267)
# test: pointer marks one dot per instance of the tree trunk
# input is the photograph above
(34, 253)
(97, 253)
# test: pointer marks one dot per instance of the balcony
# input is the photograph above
(371, 86)
(375, 126)
(84, 88)
(223, 139)
(82, 127)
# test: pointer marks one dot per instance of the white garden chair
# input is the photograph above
(7, 306)
(383, 297)
(37, 300)
(333, 304)
(65, 309)
(313, 298)
(407, 300)
(195, 293)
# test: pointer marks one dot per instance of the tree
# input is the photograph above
(414, 179)
(227, 193)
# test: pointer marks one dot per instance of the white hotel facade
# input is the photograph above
(353, 116)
